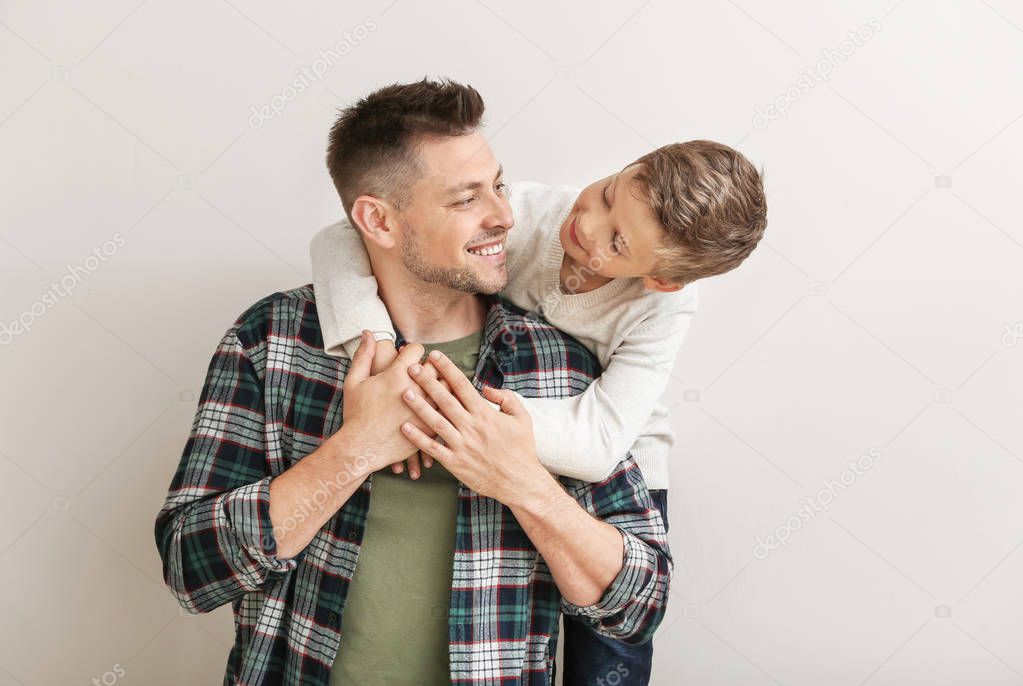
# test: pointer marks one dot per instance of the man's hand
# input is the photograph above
(373, 409)
(493, 453)
(383, 356)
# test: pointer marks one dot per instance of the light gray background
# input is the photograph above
(883, 310)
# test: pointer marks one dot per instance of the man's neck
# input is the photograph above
(428, 313)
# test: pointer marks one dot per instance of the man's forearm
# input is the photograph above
(583, 553)
(308, 494)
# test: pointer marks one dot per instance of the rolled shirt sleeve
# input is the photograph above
(214, 532)
(634, 603)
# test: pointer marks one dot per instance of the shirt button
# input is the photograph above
(333, 619)
(352, 533)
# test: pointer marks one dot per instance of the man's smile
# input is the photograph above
(492, 252)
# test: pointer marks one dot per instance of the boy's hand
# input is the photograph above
(384, 355)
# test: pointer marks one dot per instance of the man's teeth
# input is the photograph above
(492, 250)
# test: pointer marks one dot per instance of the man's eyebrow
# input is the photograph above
(473, 185)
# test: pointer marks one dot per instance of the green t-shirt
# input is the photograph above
(394, 629)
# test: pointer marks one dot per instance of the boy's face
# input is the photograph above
(611, 231)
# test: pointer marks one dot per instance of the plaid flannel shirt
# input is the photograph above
(272, 396)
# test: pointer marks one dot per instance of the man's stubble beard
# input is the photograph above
(462, 279)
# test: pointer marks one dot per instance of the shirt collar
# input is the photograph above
(499, 337)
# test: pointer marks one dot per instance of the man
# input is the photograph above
(460, 578)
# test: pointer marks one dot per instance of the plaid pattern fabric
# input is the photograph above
(272, 396)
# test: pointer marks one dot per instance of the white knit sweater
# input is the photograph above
(635, 333)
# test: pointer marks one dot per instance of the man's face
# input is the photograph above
(611, 231)
(454, 230)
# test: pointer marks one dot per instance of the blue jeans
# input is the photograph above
(590, 659)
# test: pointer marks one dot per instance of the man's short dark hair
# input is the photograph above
(372, 145)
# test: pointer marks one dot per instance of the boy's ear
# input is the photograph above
(371, 217)
(656, 283)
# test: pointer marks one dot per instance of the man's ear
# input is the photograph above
(656, 283)
(373, 219)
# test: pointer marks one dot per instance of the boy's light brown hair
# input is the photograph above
(710, 200)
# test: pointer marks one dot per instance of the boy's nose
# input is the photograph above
(583, 234)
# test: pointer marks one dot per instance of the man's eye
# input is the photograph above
(466, 202)
(604, 195)
(502, 188)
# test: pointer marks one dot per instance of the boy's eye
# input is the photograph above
(616, 247)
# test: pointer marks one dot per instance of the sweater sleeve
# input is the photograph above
(346, 290)
(584, 436)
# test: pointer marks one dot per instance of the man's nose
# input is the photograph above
(500, 214)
